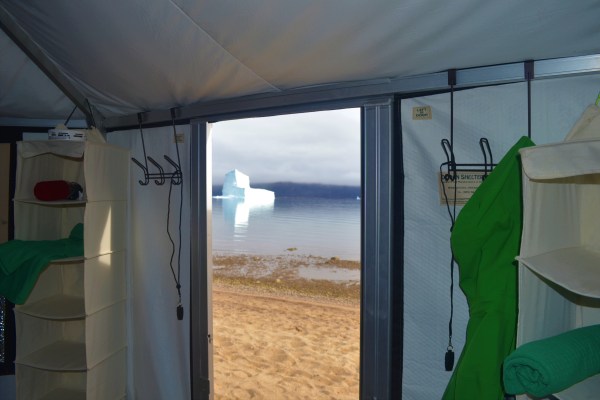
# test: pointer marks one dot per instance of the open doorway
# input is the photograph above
(286, 227)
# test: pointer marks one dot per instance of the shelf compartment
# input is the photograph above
(57, 203)
(37, 222)
(65, 394)
(56, 307)
(48, 148)
(59, 356)
(577, 269)
(70, 345)
(107, 380)
(104, 224)
(40, 161)
(39, 384)
(85, 285)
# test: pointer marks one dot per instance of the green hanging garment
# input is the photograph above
(485, 241)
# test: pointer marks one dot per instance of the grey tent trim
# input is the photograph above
(355, 93)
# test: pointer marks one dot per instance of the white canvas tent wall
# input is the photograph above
(215, 60)
(500, 114)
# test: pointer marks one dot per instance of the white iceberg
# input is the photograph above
(240, 200)
(237, 185)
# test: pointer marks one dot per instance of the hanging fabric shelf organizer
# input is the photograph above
(559, 262)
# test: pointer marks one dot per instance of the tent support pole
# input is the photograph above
(376, 336)
(32, 50)
(201, 357)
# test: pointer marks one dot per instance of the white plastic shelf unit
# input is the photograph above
(559, 264)
(71, 331)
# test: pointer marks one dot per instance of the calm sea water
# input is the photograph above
(314, 226)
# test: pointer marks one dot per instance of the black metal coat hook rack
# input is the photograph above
(452, 167)
(161, 176)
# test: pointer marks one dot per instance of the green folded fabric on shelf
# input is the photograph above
(554, 364)
(22, 261)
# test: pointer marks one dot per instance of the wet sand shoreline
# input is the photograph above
(278, 335)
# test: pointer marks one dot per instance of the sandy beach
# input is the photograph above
(280, 335)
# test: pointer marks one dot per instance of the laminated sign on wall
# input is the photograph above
(459, 190)
(422, 113)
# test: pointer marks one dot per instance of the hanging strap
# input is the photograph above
(529, 76)
(452, 83)
(139, 117)
(449, 356)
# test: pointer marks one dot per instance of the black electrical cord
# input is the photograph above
(176, 181)
(176, 277)
(449, 356)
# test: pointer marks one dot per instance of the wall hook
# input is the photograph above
(161, 176)
(484, 144)
(452, 166)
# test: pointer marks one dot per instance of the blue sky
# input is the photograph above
(317, 147)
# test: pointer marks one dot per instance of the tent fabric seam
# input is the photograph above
(222, 47)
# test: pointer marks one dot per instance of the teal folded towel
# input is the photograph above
(22, 261)
(554, 364)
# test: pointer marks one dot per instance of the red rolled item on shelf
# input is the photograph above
(55, 190)
(51, 190)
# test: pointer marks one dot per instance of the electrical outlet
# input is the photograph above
(179, 138)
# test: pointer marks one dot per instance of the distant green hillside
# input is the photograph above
(291, 189)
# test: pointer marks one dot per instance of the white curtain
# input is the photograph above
(158, 343)
(500, 114)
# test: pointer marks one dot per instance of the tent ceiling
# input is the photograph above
(126, 57)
